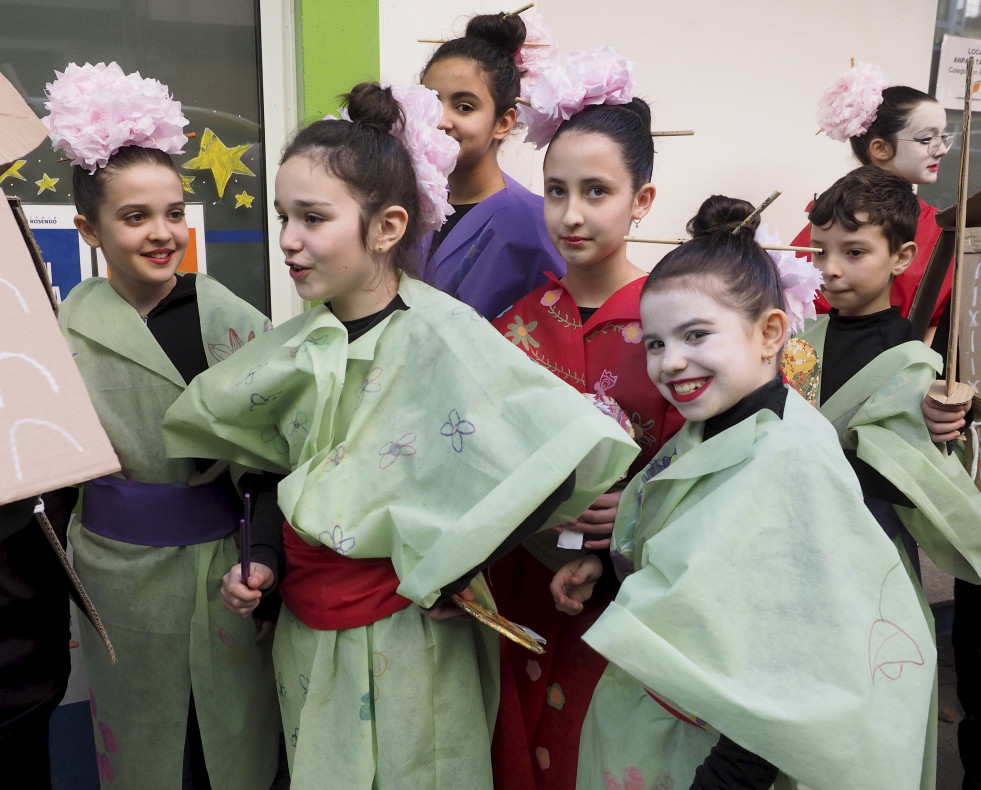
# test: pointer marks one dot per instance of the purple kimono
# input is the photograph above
(497, 253)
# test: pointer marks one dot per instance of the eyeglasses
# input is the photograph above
(933, 144)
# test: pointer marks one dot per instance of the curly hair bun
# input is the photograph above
(640, 108)
(372, 105)
(720, 213)
(504, 32)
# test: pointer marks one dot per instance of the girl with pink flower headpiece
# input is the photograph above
(900, 129)
(192, 690)
(408, 445)
(585, 328)
(493, 249)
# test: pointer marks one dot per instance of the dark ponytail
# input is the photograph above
(734, 266)
(627, 125)
(491, 41)
(898, 104)
(365, 156)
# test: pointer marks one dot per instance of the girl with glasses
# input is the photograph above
(900, 129)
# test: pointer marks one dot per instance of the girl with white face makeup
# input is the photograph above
(900, 129)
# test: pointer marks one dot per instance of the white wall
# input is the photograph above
(745, 74)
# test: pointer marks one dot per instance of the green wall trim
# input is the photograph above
(338, 49)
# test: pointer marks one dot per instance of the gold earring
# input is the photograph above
(381, 248)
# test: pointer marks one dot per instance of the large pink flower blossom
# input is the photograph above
(798, 276)
(598, 76)
(96, 110)
(849, 106)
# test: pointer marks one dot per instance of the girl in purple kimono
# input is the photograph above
(494, 248)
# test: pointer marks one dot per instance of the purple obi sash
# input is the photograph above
(160, 514)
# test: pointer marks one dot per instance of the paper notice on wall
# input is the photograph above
(954, 52)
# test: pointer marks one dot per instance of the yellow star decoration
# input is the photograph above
(222, 161)
(186, 183)
(46, 183)
(13, 171)
(244, 199)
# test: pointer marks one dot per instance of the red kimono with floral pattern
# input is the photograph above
(544, 698)
(605, 356)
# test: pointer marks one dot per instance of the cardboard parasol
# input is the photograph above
(50, 435)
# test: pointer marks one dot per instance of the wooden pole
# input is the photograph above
(951, 372)
(785, 247)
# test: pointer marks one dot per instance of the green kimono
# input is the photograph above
(427, 440)
(162, 605)
(877, 414)
(765, 603)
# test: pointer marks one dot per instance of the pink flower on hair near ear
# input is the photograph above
(433, 151)
(96, 110)
(849, 106)
(598, 76)
(533, 60)
(798, 276)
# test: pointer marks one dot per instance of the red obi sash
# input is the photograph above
(329, 591)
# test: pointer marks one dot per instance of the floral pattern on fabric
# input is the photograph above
(519, 333)
(392, 451)
(105, 743)
(605, 355)
(455, 428)
(802, 369)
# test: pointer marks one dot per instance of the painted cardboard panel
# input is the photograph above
(50, 435)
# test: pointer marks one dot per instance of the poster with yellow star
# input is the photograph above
(47, 183)
(221, 160)
(13, 171)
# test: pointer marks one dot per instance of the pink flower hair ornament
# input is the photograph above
(849, 106)
(798, 276)
(598, 76)
(432, 150)
(96, 110)
(538, 53)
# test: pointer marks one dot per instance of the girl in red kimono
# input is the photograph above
(900, 129)
(585, 328)
(494, 248)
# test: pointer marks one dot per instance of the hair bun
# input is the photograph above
(503, 31)
(721, 213)
(370, 104)
(640, 108)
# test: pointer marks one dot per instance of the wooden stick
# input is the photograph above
(950, 374)
(759, 210)
(525, 7)
(784, 247)
(676, 133)
(444, 40)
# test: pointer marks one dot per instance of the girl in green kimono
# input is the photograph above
(765, 633)
(415, 445)
(150, 548)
